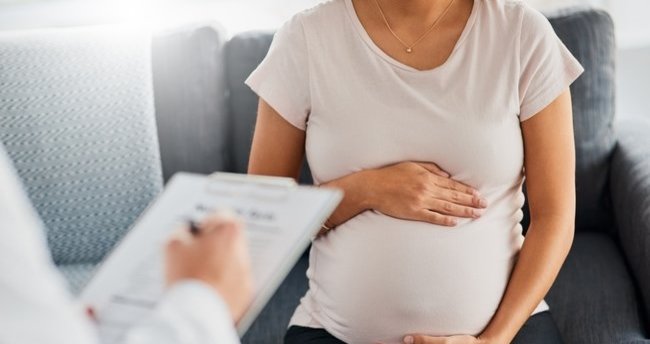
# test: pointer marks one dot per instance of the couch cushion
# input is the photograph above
(594, 299)
(76, 117)
(243, 53)
(190, 98)
(77, 275)
(630, 188)
(589, 35)
(270, 326)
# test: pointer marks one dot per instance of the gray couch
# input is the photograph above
(205, 117)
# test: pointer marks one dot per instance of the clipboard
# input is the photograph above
(281, 219)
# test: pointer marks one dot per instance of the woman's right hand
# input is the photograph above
(421, 192)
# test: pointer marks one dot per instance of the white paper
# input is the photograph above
(280, 221)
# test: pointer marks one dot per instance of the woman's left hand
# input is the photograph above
(464, 339)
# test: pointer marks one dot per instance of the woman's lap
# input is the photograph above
(538, 329)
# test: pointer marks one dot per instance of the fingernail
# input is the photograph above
(453, 222)
(483, 203)
(477, 213)
(408, 340)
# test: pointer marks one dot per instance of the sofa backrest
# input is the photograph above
(76, 117)
(588, 33)
(190, 97)
(242, 55)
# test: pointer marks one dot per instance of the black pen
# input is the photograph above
(194, 228)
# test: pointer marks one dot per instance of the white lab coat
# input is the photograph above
(35, 307)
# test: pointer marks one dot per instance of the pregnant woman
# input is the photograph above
(429, 114)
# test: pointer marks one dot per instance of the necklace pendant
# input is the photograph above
(409, 50)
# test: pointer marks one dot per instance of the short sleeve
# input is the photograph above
(547, 67)
(282, 78)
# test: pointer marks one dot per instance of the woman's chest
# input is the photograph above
(471, 131)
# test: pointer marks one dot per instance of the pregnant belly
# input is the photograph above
(377, 278)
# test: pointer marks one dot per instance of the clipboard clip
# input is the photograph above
(254, 179)
(263, 188)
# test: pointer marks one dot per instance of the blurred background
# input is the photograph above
(632, 25)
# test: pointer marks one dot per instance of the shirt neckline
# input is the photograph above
(363, 34)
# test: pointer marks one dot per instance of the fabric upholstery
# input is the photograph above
(589, 35)
(630, 187)
(270, 326)
(190, 97)
(594, 299)
(242, 54)
(77, 275)
(76, 117)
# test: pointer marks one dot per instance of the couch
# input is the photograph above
(204, 120)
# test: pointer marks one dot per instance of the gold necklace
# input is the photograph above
(409, 48)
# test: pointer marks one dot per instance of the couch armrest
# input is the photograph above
(630, 190)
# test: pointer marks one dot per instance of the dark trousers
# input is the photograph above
(539, 329)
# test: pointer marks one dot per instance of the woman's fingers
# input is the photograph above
(420, 339)
(453, 209)
(444, 181)
(460, 198)
(451, 184)
(422, 191)
(436, 218)
(416, 339)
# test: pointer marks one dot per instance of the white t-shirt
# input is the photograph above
(378, 278)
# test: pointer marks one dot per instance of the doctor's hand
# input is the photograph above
(422, 192)
(215, 255)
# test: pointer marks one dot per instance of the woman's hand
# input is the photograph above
(408, 190)
(419, 339)
(422, 192)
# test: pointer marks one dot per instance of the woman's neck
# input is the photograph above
(425, 11)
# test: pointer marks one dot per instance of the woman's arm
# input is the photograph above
(550, 182)
(278, 147)
(408, 190)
